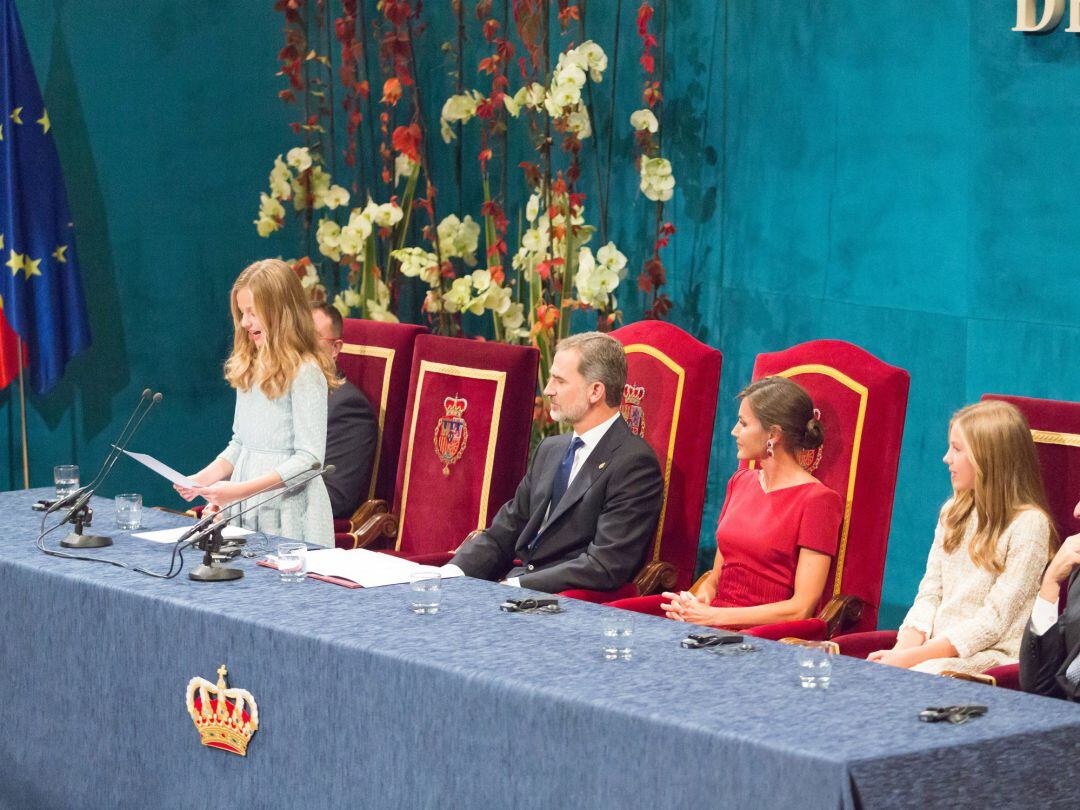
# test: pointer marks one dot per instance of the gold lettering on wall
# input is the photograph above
(1053, 10)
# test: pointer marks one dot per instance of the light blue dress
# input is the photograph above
(286, 435)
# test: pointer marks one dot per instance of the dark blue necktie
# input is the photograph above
(562, 477)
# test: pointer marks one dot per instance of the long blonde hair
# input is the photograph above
(289, 338)
(1007, 480)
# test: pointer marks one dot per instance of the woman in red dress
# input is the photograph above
(779, 525)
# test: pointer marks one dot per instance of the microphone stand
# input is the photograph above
(81, 514)
(209, 540)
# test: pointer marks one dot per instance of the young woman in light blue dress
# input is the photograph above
(279, 428)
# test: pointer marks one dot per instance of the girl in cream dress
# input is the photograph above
(279, 427)
(993, 539)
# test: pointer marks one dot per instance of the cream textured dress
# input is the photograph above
(286, 435)
(983, 614)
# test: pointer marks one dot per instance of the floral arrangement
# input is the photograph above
(363, 255)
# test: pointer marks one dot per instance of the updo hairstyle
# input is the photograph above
(779, 401)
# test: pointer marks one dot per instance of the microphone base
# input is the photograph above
(76, 540)
(214, 573)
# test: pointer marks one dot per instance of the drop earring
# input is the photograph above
(769, 447)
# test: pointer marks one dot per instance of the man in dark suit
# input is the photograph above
(585, 513)
(1050, 650)
(351, 429)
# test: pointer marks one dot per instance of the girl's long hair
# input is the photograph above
(289, 337)
(1007, 481)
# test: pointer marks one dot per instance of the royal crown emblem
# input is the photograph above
(451, 432)
(225, 718)
(631, 408)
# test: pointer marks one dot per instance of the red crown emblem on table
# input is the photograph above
(225, 718)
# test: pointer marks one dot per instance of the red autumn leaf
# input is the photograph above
(545, 267)
(567, 15)
(491, 30)
(485, 156)
(407, 141)
(391, 91)
(364, 89)
(647, 62)
(287, 96)
(644, 283)
(644, 14)
(497, 274)
(489, 64)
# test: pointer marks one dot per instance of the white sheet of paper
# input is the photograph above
(164, 470)
(172, 535)
(367, 568)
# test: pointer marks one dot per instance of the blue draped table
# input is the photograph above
(362, 703)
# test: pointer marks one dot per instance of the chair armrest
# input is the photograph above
(841, 613)
(656, 577)
(1007, 676)
(377, 530)
(649, 605)
(973, 677)
(860, 645)
(364, 512)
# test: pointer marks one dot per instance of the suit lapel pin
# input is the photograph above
(602, 465)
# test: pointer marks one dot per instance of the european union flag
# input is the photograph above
(41, 296)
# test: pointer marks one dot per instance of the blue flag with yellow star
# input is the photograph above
(41, 295)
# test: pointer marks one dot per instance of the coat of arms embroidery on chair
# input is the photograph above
(451, 432)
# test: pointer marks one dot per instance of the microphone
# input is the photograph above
(80, 512)
(209, 538)
(74, 496)
(206, 520)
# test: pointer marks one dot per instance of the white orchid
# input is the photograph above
(595, 58)
(280, 180)
(597, 280)
(532, 207)
(577, 121)
(458, 109)
(299, 158)
(346, 300)
(378, 309)
(328, 237)
(459, 238)
(531, 96)
(355, 233)
(418, 263)
(657, 181)
(387, 215)
(404, 166)
(334, 197)
(644, 119)
(271, 214)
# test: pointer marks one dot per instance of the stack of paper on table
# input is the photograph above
(368, 568)
(172, 535)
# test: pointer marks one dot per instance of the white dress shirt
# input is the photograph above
(1043, 616)
(591, 438)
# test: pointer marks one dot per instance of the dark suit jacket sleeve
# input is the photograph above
(624, 531)
(351, 436)
(1040, 659)
(490, 554)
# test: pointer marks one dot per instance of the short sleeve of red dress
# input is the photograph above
(760, 534)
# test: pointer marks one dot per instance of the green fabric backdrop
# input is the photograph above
(897, 174)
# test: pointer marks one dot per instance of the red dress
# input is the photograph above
(760, 533)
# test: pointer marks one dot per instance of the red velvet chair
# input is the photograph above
(377, 358)
(669, 399)
(863, 403)
(464, 444)
(1055, 427)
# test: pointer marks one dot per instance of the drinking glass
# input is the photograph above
(128, 511)
(292, 562)
(425, 590)
(66, 478)
(618, 627)
(814, 659)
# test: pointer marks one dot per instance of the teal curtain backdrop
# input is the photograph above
(896, 174)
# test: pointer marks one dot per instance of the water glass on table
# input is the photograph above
(292, 562)
(425, 590)
(618, 629)
(66, 478)
(814, 659)
(128, 511)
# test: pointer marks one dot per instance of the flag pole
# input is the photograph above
(22, 416)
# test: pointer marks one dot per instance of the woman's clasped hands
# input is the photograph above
(685, 607)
